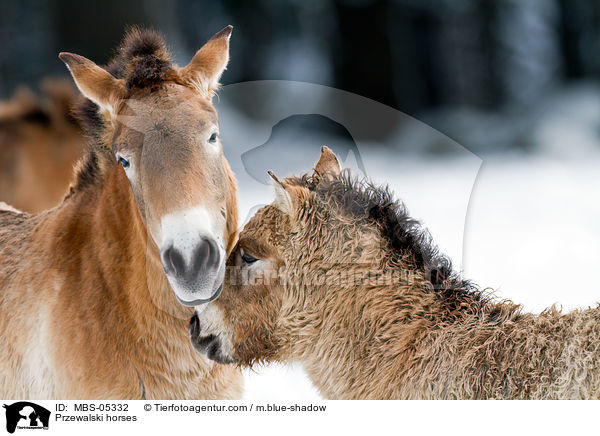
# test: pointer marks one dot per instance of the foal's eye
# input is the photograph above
(124, 162)
(246, 257)
(213, 138)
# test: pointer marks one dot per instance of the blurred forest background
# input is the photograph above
(479, 71)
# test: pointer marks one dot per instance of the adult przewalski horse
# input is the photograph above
(337, 276)
(89, 290)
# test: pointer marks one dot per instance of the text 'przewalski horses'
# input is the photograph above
(337, 276)
(89, 289)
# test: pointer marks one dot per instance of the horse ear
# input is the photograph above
(287, 198)
(209, 62)
(328, 166)
(94, 82)
(283, 200)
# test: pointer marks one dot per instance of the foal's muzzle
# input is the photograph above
(209, 345)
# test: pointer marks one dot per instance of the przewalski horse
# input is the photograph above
(336, 275)
(86, 308)
(40, 141)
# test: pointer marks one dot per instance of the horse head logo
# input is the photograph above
(26, 415)
(293, 143)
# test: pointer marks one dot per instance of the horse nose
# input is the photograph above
(205, 258)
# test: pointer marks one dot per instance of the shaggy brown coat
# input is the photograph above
(310, 282)
(85, 307)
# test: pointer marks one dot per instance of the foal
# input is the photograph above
(89, 290)
(335, 275)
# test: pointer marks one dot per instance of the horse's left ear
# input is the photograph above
(328, 166)
(287, 198)
(209, 62)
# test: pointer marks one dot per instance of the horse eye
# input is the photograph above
(213, 138)
(124, 162)
(247, 258)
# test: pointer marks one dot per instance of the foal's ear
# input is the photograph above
(328, 167)
(287, 198)
(209, 62)
(94, 82)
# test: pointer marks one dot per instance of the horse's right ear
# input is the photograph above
(287, 198)
(94, 82)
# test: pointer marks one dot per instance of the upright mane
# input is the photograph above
(143, 62)
(405, 235)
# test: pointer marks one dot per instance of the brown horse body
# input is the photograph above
(86, 309)
(77, 324)
(336, 275)
(40, 142)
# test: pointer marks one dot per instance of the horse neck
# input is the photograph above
(357, 330)
(113, 244)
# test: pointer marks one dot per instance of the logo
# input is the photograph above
(26, 415)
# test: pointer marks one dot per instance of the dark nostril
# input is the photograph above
(207, 255)
(173, 261)
(201, 255)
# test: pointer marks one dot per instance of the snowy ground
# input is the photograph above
(531, 232)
